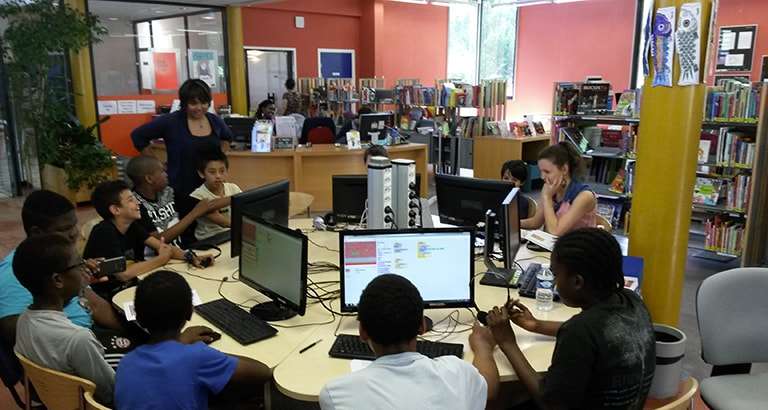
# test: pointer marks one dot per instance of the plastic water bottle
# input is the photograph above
(544, 289)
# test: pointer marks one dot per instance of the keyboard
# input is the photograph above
(215, 240)
(501, 277)
(235, 322)
(351, 347)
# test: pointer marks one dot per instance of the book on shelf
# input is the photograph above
(724, 234)
(733, 101)
(566, 98)
(416, 95)
(628, 104)
(594, 98)
(706, 191)
(704, 148)
(738, 193)
(610, 209)
(604, 171)
(735, 148)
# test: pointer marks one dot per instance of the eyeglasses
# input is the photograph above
(80, 266)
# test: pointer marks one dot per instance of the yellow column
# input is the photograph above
(82, 78)
(670, 126)
(236, 61)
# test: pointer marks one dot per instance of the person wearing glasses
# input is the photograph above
(50, 268)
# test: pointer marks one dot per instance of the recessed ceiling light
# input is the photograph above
(208, 17)
(112, 18)
(159, 11)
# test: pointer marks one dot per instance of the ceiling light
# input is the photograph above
(208, 17)
(112, 18)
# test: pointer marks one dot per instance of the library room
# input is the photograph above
(383, 204)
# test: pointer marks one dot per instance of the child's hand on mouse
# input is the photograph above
(194, 334)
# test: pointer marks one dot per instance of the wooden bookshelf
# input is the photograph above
(755, 251)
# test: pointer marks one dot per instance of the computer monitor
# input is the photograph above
(510, 227)
(273, 261)
(439, 262)
(463, 201)
(349, 194)
(375, 123)
(268, 202)
(241, 128)
(384, 95)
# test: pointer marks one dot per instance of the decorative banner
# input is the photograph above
(647, 46)
(203, 65)
(663, 46)
(166, 70)
(688, 45)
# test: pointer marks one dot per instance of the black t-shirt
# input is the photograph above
(604, 357)
(107, 242)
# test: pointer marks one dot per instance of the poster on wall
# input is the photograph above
(203, 65)
(764, 69)
(663, 46)
(735, 48)
(166, 70)
(687, 43)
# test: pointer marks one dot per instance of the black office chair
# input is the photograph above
(323, 137)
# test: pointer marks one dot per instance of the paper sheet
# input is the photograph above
(126, 106)
(196, 301)
(107, 107)
(745, 40)
(727, 40)
(357, 364)
(129, 311)
(734, 60)
(145, 106)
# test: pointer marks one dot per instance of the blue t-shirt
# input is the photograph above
(171, 375)
(15, 298)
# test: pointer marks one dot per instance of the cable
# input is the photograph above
(181, 272)
(321, 246)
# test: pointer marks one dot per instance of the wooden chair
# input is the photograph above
(298, 203)
(603, 223)
(57, 390)
(682, 401)
(91, 403)
(532, 205)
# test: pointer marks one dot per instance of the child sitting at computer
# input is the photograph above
(390, 316)
(604, 356)
(516, 172)
(120, 234)
(49, 267)
(213, 168)
(176, 369)
(159, 212)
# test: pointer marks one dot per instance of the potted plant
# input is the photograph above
(35, 46)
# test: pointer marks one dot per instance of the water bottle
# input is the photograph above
(544, 289)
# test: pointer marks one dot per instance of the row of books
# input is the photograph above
(572, 98)
(738, 193)
(604, 171)
(732, 194)
(733, 100)
(730, 148)
(724, 234)
(416, 95)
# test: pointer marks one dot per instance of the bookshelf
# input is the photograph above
(729, 214)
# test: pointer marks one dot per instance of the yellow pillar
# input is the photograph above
(82, 78)
(236, 61)
(670, 126)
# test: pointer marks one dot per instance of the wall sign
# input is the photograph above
(735, 48)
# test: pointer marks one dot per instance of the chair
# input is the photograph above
(298, 203)
(91, 403)
(57, 390)
(85, 233)
(10, 372)
(731, 308)
(603, 223)
(318, 130)
(683, 401)
(532, 205)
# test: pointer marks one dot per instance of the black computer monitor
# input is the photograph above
(268, 202)
(241, 128)
(273, 261)
(439, 262)
(375, 123)
(384, 95)
(349, 193)
(463, 201)
(510, 220)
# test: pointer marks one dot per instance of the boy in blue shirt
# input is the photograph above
(176, 370)
(46, 212)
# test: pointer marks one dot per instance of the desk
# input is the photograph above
(309, 169)
(301, 376)
(491, 152)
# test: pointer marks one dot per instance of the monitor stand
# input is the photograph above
(272, 311)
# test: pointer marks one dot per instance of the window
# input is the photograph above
(498, 36)
(462, 42)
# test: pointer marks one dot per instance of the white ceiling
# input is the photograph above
(128, 10)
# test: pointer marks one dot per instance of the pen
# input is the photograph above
(310, 346)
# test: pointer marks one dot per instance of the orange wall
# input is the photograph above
(566, 42)
(415, 42)
(742, 13)
(116, 132)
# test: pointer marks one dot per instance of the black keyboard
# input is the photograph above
(351, 347)
(215, 240)
(235, 322)
(501, 277)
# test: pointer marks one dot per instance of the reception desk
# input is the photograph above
(309, 169)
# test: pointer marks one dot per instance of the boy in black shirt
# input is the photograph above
(604, 356)
(119, 234)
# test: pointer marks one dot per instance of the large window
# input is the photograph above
(498, 39)
(495, 23)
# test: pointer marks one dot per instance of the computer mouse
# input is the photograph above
(214, 336)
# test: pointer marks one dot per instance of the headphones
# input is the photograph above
(325, 223)
(190, 254)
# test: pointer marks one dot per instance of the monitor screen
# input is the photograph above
(273, 261)
(375, 124)
(439, 262)
(463, 201)
(511, 230)
(349, 193)
(268, 202)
